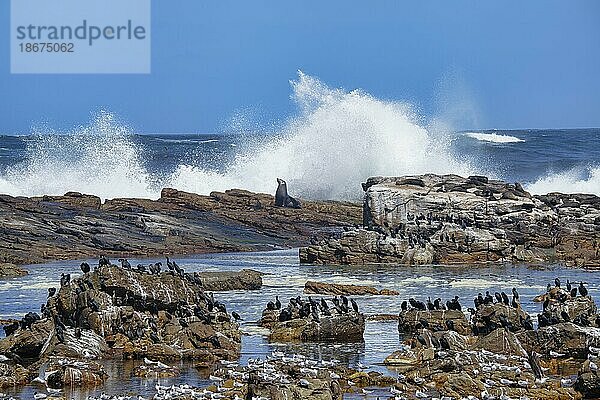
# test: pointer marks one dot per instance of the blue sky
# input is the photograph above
(501, 64)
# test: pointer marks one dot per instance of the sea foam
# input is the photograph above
(336, 140)
(493, 137)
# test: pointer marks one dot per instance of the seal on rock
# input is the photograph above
(282, 198)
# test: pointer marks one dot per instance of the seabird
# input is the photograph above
(236, 316)
(354, 305)
(277, 303)
(582, 289)
(515, 293)
(85, 267)
(557, 282)
(498, 297)
(51, 292)
(505, 299)
(568, 286)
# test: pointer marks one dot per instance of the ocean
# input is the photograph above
(334, 142)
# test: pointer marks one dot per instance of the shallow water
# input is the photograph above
(286, 278)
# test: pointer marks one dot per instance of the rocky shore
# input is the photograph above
(8, 270)
(449, 219)
(496, 351)
(117, 312)
(79, 226)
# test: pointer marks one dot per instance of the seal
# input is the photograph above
(282, 198)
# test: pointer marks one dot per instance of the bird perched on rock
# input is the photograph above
(65, 279)
(568, 286)
(582, 289)
(236, 316)
(515, 293)
(354, 305)
(277, 303)
(103, 262)
(85, 267)
(51, 292)
(124, 263)
(557, 282)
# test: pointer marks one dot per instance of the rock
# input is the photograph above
(28, 343)
(575, 308)
(113, 312)
(312, 287)
(348, 327)
(564, 338)
(13, 375)
(78, 226)
(489, 317)
(588, 381)
(411, 321)
(8, 270)
(501, 341)
(74, 373)
(449, 219)
(245, 279)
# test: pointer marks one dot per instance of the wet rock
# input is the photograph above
(347, 327)
(13, 375)
(8, 270)
(450, 219)
(28, 343)
(74, 373)
(312, 287)
(412, 320)
(245, 279)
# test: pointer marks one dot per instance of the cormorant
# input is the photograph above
(565, 316)
(582, 289)
(236, 316)
(85, 267)
(354, 305)
(505, 299)
(277, 303)
(568, 286)
(515, 293)
(51, 292)
(557, 282)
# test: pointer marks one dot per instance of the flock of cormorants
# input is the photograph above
(437, 304)
(311, 308)
(561, 295)
(142, 328)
